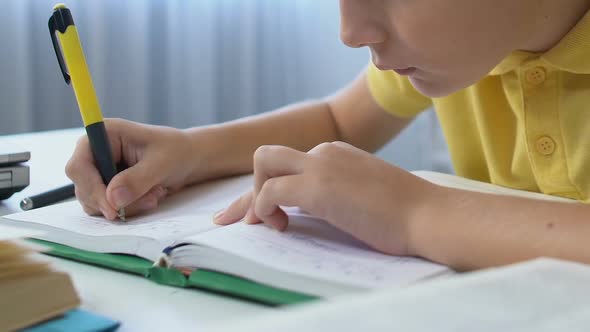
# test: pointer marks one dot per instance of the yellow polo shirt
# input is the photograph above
(526, 125)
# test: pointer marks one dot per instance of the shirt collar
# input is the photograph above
(571, 54)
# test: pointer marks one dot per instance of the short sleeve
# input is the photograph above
(395, 94)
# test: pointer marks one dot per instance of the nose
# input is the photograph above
(361, 23)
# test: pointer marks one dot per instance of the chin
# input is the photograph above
(433, 89)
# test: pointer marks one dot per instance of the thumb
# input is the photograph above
(134, 182)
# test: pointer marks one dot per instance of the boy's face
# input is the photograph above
(442, 45)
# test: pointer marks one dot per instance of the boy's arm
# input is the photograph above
(468, 230)
(162, 160)
(351, 115)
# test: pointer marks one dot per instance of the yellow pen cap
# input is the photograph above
(73, 59)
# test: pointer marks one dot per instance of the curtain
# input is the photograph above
(186, 63)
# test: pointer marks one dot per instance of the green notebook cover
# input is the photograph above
(202, 279)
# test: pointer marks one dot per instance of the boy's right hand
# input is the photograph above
(158, 160)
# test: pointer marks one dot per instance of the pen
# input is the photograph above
(47, 198)
(75, 71)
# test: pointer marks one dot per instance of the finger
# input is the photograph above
(147, 202)
(98, 195)
(235, 211)
(132, 183)
(114, 127)
(127, 137)
(335, 147)
(89, 210)
(81, 168)
(321, 148)
(285, 191)
(251, 217)
(81, 165)
(344, 145)
(89, 187)
(132, 132)
(90, 191)
(275, 160)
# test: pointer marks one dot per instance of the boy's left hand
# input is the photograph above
(348, 187)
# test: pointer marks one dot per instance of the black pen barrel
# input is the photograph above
(48, 197)
(101, 150)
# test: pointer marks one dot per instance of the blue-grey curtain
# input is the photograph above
(185, 63)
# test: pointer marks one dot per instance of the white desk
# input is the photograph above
(139, 304)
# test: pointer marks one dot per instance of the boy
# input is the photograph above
(509, 81)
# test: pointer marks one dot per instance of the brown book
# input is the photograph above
(31, 291)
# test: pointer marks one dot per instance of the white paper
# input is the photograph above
(13, 233)
(538, 296)
(314, 248)
(160, 225)
(188, 212)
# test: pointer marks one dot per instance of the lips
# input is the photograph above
(405, 71)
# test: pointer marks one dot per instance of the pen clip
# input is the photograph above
(59, 21)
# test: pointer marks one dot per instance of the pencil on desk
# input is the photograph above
(47, 198)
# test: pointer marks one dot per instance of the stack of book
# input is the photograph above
(31, 290)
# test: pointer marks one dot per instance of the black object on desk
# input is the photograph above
(48, 198)
(14, 175)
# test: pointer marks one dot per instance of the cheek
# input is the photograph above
(434, 47)
(444, 49)
(453, 64)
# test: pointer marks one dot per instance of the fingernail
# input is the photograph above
(250, 217)
(162, 192)
(106, 214)
(122, 197)
(217, 216)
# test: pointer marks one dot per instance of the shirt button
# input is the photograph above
(545, 145)
(536, 75)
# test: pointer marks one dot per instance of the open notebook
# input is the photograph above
(310, 257)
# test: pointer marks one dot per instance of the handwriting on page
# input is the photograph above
(313, 247)
(159, 225)
(187, 212)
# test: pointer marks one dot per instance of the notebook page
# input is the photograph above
(314, 248)
(159, 225)
(185, 213)
(13, 233)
